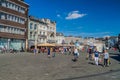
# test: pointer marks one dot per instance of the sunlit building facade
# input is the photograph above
(13, 24)
(50, 29)
(60, 39)
(41, 31)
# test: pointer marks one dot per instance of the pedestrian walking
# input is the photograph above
(34, 51)
(96, 56)
(76, 54)
(106, 58)
(90, 53)
(70, 51)
(48, 52)
(53, 52)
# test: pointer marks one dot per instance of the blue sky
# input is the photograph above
(94, 18)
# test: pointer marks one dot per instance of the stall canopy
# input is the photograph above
(65, 45)
(46, 44)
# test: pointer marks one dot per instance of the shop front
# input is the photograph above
(15, 44)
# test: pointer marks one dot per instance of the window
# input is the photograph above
(31, 25)
(6, 29)
(22, 32)
(22, 10)
(4, 3)
(19, 20)
(30, 33)
(35, 33)
(43, 33)
(22, 21)
(12, 29)
(16, 8)
(18, 31)
(41, 40)
(10, 17)
(10, 5)
(9, 29)
(35, 26)
(15, 30)
(30, 36)
(40, 32)
(2, 16)
(1, 28)
(34, 36)
(13, 18)
(13, 6)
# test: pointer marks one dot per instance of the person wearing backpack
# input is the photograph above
(96, 56)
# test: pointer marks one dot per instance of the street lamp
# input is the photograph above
(8, 44)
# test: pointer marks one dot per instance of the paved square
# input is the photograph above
(27, 66)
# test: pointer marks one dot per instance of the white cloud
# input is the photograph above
(74, 15)
(58, 15)
(98, 34)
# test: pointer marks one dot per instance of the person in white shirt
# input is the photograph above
(76, 54)
(106, 57)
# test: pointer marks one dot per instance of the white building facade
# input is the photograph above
(32, 31)
(41, 31)
(60, 39)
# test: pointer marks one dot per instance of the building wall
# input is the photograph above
(42, 34)
(89, 41)
(42, 37)
(60, 39)
(68, 40)
(13, 23)
(51, 31)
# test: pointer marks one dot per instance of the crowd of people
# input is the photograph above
(92, 54)
(98, 57)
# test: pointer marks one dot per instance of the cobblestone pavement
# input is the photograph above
(27, 66)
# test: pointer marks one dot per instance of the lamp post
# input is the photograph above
(8, 44)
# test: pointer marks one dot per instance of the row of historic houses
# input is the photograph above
(19, 31)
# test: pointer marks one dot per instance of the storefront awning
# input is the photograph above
(46, 44)
(65, 45)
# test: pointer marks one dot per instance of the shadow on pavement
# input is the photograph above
(93, 75)
(92, 63)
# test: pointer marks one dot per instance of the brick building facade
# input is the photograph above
(13, 24)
